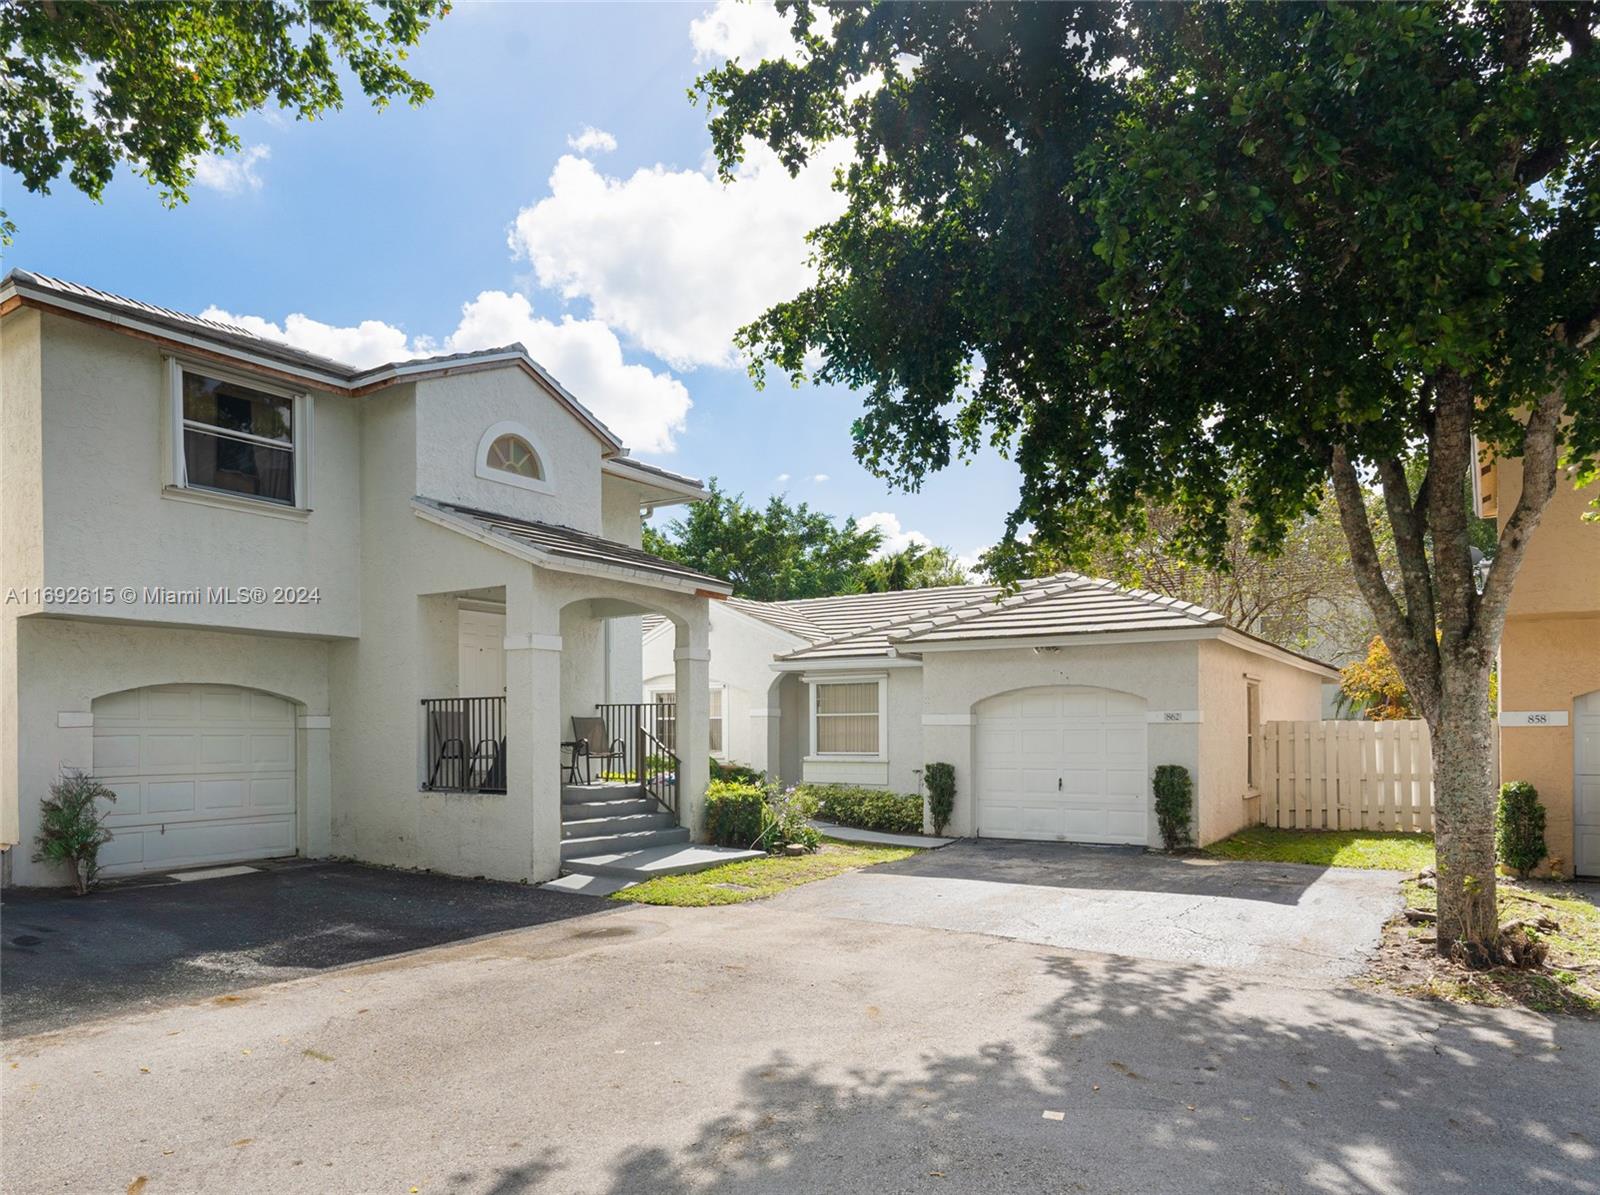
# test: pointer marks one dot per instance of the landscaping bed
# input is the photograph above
(735, 883)
(1408, 963)
(1328, 848)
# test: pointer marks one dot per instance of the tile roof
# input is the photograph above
(824, 619)
(570, 544)
(1066, 603)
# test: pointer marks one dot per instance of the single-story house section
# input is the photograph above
(1054, 703)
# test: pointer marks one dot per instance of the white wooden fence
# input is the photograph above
(1347, 775)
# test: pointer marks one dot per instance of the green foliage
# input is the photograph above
(73, 827)
(158, 85)
(1519, 827)
(866, 808)
(735, 883)
(1174, 804)
(941, 781)
(734, 813)
(915, 566)
(736, 772)
(746, 815)
(1193, 246)
(769, 554)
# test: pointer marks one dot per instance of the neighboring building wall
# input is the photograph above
(1224, 801)
(64, 664)
(1550, 652)
(742, 651)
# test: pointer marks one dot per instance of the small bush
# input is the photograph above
(736, 772)
(734, 813)
(941, 781)
(785, 822)
(1174, 804)
(74, 827)
(866, 808)
(1519, 827)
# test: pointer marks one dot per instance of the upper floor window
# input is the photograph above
(510, 454)
(513, 454)
(237, 439)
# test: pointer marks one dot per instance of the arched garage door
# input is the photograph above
(202, 773)
(1062, 764)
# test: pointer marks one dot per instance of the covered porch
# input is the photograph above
(529, 695)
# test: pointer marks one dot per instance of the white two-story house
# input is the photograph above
(283, 606)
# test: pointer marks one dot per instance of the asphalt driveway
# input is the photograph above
(67, 959)
(1282, 918)
(747, 1049)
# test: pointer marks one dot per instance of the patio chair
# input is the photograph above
(590, 734)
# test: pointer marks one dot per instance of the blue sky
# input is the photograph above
(487, 215)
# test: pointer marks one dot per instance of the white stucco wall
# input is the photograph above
(108, 519)
(742, 651)
(64, 664)
(453, 413)
(1165, 675)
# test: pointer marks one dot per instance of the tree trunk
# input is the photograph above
(1464, 797)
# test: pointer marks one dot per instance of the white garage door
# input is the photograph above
(202, 773)
(1063, 764)
(1586, 786)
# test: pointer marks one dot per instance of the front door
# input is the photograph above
(482, 667)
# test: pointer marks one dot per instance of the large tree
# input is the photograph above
(85, 85)
(915, 566)
(770, 553)
(1200, 250)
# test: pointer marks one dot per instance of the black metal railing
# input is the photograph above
(648, 732)
(466, 744)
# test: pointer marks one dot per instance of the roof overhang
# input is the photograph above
(329, 376)
(845, 664)
(660, 487)
(473, 529)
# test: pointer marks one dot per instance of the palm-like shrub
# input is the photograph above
(73, 828)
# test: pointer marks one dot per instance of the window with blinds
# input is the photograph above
(847, 718)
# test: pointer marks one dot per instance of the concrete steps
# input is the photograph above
(614, 835)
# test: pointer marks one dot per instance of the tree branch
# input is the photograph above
(1409, 541)
(1415, 654)
(1539, 470)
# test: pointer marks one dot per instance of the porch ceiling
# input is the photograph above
(567, 550)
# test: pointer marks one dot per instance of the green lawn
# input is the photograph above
(1328, 848)
(736, 882)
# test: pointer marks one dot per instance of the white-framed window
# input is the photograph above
(848, 715)
(510, 454)
(718, 705)
(1252, 734)
(237, 437)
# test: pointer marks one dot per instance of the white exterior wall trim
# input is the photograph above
(949, 719)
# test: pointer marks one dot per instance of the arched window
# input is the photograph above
(513, 454)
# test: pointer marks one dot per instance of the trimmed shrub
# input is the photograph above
(73, 827)
(1519, 827)
(941, 781)
(734, 813)
(866, 808)
(1174, 804)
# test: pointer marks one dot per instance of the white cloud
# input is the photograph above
(369, 343)
(895, 538)
(231, 173)
(674, 259)
(819, 477)
(642, 406)
(592, 140)
(780, 479)
(746, 31)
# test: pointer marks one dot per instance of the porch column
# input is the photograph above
(692, 673)
(533, 728)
